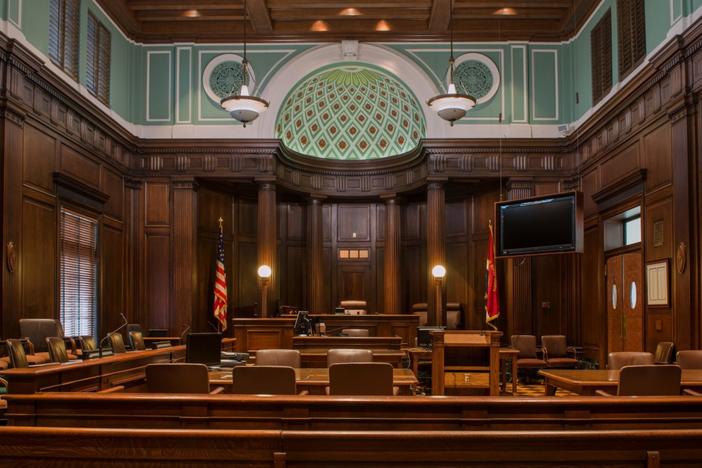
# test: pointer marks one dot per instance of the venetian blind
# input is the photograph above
(78, 250)
(601, 50)
(98, 60)
(64, 33)
(631, 23)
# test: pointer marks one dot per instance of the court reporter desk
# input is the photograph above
(96, 374)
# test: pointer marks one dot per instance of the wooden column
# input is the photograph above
(436, 201)
(134, 251)
(315, 257)
(184, 254)
(391, 261)
(266, 242)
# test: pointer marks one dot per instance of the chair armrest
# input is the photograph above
(304, 392)
(115, 389)
(217, 391)
(544, 353)
(30, 345)
(691, 392)
(603, 393)
(70, 344)
(3, 382)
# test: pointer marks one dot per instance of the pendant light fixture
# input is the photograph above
(453, 105)
(244, 107)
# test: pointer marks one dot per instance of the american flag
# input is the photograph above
(220, 286)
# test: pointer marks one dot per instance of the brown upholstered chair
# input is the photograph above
(15, 351)
(528, 357)
(354, 307)
(178, 378)
(454, 312)
(87, 343)
(336, 356)
(690, 359)
(136, 340)
(36, 331)
(421, 309)
(264, 380)
(117, 343)
(665, 352)
(278, 357)
(4, 362)
(619, 359)
(57, 349)
(360, 378)
(355, 332)
(288, 310)
(556, 351)
(647, 380)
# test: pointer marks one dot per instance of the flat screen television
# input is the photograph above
(204, 348)
(539, 225)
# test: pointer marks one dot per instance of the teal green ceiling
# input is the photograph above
(350, 111)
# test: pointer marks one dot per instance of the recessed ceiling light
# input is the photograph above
(505, 12)
(382, 25)
(350, 12)
(192, 13)
(319, 26)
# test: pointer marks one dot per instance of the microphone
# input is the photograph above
(124, 324)
(182, 335)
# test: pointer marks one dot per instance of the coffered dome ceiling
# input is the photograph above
(350, 111)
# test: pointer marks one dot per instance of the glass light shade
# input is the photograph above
(244, 107)
(439, 271)
(451, 106)
(264, 271)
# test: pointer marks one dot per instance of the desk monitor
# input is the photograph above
(204, 348)
(424, 335)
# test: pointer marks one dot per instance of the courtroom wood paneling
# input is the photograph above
(38, 267)
(157, 203)
(112, 184)
(39, 158)
(158, 280)
(79, 166)
(657, 148)
(112, 277)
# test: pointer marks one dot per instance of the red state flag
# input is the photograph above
(492, 296)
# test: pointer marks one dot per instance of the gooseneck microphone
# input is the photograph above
(124, 324)
(182, 335)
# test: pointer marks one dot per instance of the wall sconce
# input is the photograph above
(438, 272)
(264, 274)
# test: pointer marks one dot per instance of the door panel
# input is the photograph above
(615, 333)
(632, 302)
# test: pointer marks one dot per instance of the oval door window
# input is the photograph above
(632, 293)
(614, 296)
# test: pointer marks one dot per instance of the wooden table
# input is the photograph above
(314, 380)
(92, 375)
(588, 381)
(318, 358)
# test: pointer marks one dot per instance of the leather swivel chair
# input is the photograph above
(647, 380)
(278, 357)
(665, 352)
(690, 359)
(178, 378)
(361, 378)
(15, 350)
(454, 312)
(359, 332)
(136, 340)
(619, 359)
(336, 356)
(117, 343)
(87, 343)
(421, 309)
(354, 307)
(57, 349)
(263, 380)
(557, 353)
(37, 330)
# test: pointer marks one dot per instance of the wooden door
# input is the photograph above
(624, 303)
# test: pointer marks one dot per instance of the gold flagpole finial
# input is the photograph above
(221, 220)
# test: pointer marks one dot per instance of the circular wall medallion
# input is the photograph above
(476, 75)
(224, 75)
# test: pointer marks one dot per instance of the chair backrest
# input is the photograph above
(555, 345)
(38, 330)
(690, 359)
(526, 344)
(87, 343)
(134, 327)
(649, 380)
(335, 356)
(360, 378)
(117, 343)
(57, 349)
(267, 380)
(177, 378)
(15, 349)
(619, 359)
(354, 307)
(355, 332)
(278, 357)
(136, 340)
(665, 351)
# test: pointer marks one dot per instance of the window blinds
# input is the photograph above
(601, 50)
(98, 60)
(78, 250)
(64, 33)
(631, 25)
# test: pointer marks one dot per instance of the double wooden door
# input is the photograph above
(624, 303)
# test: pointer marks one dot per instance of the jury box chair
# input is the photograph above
(361, 378)
(136, 340)
(278, 357)
(117, 343)
(18, 357)
(179, 377)
(618, 359)
(690, 359)
(336, 356)
(264, 380)
(421, 309)
(36, 331)
(88, 343)
(57, 349)
(665, 352)
(647, 380)
(557, 353)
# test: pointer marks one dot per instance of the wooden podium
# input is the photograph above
(466, 361)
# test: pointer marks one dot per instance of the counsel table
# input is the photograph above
(588, 381)
(314, 380)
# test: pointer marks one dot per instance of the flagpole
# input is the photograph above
(219, 323)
